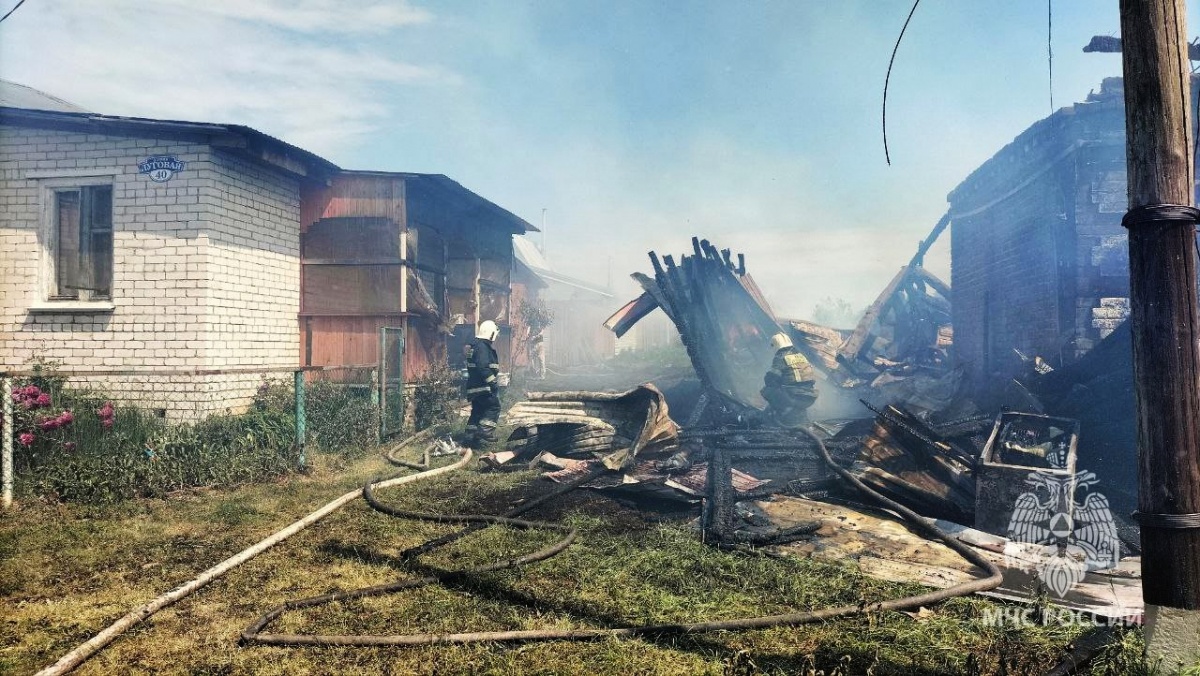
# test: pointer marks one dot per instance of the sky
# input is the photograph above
(628, 126)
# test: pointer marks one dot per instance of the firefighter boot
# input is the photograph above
(487, 434)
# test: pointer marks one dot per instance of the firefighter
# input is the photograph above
(483, 384)
(537, 356)
(790, 386)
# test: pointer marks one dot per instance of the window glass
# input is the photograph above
(98, 271)
(83, 245)
(66, 264)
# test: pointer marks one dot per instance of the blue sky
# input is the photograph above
(633, 124)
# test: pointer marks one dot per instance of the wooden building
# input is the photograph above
(577, 337)
(414, 251)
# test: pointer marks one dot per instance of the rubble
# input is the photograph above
(647, 476)
(886, 549)
(928, 446)
(1023, 448)
(910, 462)
(722, 317)
(612, 427)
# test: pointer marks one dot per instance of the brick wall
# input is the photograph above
(1005, 281)
(1036, 242)
(205, 265)
(254, 265)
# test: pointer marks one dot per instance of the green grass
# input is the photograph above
(67, 571)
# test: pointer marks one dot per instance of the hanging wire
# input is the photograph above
(1050, 48)
(2, 18)
(887, 79)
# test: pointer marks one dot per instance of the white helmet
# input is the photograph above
(780, 340)
(487, 330)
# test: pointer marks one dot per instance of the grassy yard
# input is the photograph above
(67, 571)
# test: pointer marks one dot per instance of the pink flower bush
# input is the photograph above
(30, 398)
(68, 446)
(107, 415)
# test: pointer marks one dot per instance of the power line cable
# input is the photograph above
(887, 79)
(21, 2)
(1050, 47)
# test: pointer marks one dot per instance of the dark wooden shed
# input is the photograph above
(415, 251)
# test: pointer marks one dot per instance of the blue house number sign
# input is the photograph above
(161, 168)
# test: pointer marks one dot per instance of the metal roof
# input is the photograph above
(13, 95)
(231, 137)
(529, 255)
(443, 186)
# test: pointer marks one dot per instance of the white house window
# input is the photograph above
(82, 243)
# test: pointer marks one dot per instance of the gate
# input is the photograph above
(391, 381)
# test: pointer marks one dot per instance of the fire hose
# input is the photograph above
(253, 633)
(85, 650)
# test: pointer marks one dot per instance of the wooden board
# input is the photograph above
(886, 549)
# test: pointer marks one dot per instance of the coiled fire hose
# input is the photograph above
(253, 634)
(85, 650)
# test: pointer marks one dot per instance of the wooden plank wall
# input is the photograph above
(425, 347)
(336, 341)
(355, 195)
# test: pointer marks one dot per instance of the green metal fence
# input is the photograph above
(391, 381)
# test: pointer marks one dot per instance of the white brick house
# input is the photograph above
(105, 265)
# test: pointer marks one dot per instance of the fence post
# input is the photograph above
(402, 375)
(381, 381)
(301, 423)
(6, 467)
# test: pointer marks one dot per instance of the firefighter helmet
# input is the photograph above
(487, 330)
(780, 340)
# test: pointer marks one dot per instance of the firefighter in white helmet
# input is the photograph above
(790, 385)
(483, 384)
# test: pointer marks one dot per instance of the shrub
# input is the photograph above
(75, 444)
(436, 397)
(117, 452)
(341, 418)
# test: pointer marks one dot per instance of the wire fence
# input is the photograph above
(110, 435)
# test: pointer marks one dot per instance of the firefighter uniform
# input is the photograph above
(790, 384)
(483, 386)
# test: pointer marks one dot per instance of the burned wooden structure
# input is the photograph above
(416, 251)
(905, 335)
(615, 428)
(927, 468)
(723, 318)
(1025, 449)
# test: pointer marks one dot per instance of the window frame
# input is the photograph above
(48, 186)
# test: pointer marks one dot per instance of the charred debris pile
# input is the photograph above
(904, 419)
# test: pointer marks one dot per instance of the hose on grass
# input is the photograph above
(85, 650)
(253, 633)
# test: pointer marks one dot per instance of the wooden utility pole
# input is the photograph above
(1162, 272)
